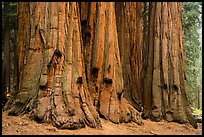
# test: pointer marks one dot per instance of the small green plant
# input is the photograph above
(197, 111)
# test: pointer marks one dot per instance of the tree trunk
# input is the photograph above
(22, 42)
(130, 40)
(78, 62)
(53, 84)
(104, 68)
(6, 55)
(165, 92)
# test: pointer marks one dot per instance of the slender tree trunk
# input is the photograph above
(13, 62)
(23, 41)
(6, 55)
(198, 94)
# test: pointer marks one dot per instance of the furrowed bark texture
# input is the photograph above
(53, 86)
(165, 90)
(104, 68)
(22, 43)
(130, 39)
(81, 61)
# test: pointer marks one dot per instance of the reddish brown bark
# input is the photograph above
(82, 61)
(165, 71)
(106, 81)
(130, 40)
(53, 85)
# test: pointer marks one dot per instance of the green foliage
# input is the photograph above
(197, 111)
(9, 14)
(192, 20)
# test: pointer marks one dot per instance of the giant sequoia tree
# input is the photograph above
(164, 95)
(78, 62)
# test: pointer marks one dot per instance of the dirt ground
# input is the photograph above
(22, 125)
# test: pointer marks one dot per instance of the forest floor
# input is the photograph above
(22, 125)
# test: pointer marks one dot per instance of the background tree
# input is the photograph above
(9, 54)
(191, 19)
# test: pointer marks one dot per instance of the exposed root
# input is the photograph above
(118, 110)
